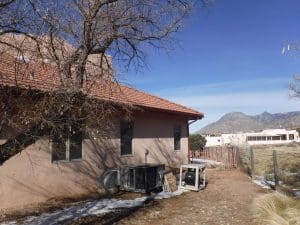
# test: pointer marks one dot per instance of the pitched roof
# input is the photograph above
(41, 76)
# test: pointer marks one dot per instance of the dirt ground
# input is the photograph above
(226, 200)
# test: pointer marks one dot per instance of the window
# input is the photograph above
(251, 138)
(59, 147)
(126, 138)
(67, 144)
(258, 138)
(269, 138)
(75, 142)
(283, 137)
(177, 137)
(275, 138)
(291, 136)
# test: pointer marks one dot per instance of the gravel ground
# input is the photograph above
(226, 200)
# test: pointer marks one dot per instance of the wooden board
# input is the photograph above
(170, 181)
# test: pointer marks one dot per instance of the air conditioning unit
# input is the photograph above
(143, 178)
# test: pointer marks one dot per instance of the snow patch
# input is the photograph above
(207, 162)
(262, 183)
(91, 208)
(163, 194)
(296, 192)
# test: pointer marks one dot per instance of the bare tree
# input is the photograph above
(294, 87)
(69, 33)
(79, 39)
(4, 3)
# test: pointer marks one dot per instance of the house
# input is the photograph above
(265, 137)
(73, 166)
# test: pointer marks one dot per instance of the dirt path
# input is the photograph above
(226, 200)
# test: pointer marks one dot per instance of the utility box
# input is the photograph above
(142, 178)
(192, 177)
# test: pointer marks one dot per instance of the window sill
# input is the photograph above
(66, 161)
(76, 160)
(124, 156)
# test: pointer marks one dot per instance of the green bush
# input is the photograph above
(197, 141)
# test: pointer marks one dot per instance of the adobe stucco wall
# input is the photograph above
(154, 131)
(31, 177)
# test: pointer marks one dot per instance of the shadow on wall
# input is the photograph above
(67, 179)
(164, 153)
(31, 177)
(25, 177)
(103, 155)
(99, 156)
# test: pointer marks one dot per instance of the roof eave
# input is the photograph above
(189, 116)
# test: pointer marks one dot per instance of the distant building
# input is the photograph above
(265, 137)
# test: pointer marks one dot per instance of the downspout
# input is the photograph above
(188, 133)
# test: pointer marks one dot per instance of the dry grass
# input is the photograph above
(288, 157)
(277, 209)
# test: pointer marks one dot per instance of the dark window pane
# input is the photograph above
(140, 178)
(126, 138)
(130, 182)
(151, 180)
(75, 138)
(177, 137)
(58, 147)
(276, 138)
(283, 137)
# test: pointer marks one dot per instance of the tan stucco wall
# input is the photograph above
(154, 131)
(31, 177)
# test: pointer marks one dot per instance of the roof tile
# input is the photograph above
(41, 76)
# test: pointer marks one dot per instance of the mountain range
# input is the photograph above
(239, 122)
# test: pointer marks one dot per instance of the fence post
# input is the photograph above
(252, 163)
(238, 157)
(276, 172)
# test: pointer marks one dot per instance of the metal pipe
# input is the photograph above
(188, 134)
(191, 122)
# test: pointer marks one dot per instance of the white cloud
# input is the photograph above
(214, 106)
(239, 100)
(273, 98)
(227, 87)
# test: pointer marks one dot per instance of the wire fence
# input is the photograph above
(274, 166)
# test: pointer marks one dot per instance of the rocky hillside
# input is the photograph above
(240, 122)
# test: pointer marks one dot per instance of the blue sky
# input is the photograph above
(229, 58)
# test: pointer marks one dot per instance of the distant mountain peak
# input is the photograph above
(233, 115)
(265, 113)
(234, 122)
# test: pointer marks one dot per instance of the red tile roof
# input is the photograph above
(41, 76)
